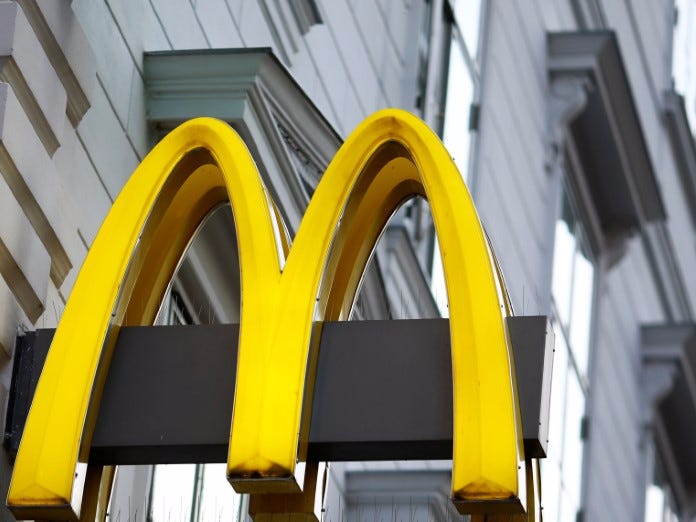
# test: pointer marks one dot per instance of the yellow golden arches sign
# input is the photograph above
(389, 158)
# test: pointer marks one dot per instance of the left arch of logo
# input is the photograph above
(390, 157)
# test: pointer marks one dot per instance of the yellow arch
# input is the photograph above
(122, 281)
(389, 158)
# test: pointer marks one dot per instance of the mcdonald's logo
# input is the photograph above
(389, 158)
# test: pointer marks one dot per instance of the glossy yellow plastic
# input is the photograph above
(389, 158)
(122, 281)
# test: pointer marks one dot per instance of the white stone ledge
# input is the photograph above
(68, 49)
(24, 262)
(25, 66)
(11, 318)
(32, 178)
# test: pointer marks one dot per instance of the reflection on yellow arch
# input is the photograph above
(390, 157)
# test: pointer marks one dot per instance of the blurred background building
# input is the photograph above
(571, 121)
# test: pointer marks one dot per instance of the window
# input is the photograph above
(659, 501)
(467, 13)
(572, 302)
(205, 289)
(186, 492)
(462, 78)
(572, 284)
(458, 100)
(683, 68)
(194, 492)
(424, 37)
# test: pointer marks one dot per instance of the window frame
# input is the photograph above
(571, 185)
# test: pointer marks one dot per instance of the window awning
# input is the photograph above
(607, 132)
(683, 146)
(669, 387)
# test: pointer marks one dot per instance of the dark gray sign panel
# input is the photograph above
(383, 391)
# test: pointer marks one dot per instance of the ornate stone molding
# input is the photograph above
(290, 139)
(567, 98)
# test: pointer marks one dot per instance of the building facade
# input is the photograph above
(571, 122)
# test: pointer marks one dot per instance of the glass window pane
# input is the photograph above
(572, 443)
(683, 68)
(558, 391)
(563, 252)
(460, 90)
(218, 499)
(457, 139)
(437, 281)
(654, 504)
(583, 279)
(659, 500)
(569, 509)
(467, 14)
(551, 489)
(172, 492)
